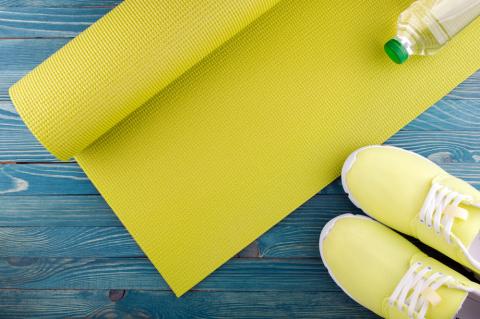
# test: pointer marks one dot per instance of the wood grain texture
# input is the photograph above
(44, 179)
(67, 236)
(294, 237)
(56, 211)
(469, 89)
(43, 304)
(58, 3)
(17, 144)
(448, 115)
(68, 179)
(92, 211)
(31, 22)
(67, 241)
(239, 274)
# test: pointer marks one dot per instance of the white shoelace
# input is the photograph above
(418, 290)
(441, 208)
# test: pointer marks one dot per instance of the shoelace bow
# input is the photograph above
(441, 209)
(417, 290)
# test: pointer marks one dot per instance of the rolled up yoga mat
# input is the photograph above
(204, 123)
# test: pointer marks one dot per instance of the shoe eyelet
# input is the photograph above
(429, 225)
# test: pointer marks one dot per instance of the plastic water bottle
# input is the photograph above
(427, 25)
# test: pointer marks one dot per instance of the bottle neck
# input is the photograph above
(407, 42)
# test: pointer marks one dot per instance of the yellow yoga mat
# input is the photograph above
(203, 123)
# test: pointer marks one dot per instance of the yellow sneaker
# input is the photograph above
(413, 195)
(387, 274)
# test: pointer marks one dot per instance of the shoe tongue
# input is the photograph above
(466, 230)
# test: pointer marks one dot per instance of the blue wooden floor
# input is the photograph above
(63, 253)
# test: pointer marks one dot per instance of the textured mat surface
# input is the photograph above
(227, 115)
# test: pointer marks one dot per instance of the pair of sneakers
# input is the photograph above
(383, 271)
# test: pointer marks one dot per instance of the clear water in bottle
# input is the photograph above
(427, 25)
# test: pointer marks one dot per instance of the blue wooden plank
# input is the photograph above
(294, 237)
(58, 3)
(66, 235)
(44, 179)
(469, 89)
(17, 144)
(448, 115)
(297, 235)
(21, 22)
(67, 242)
(461, 146)
(42, 304)
(238, 274)
(69, 179)
(92, 211)
(19, 56)
(441, 146)
(56, 211)
(71, 226)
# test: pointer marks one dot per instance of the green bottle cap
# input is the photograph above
(396, 51)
